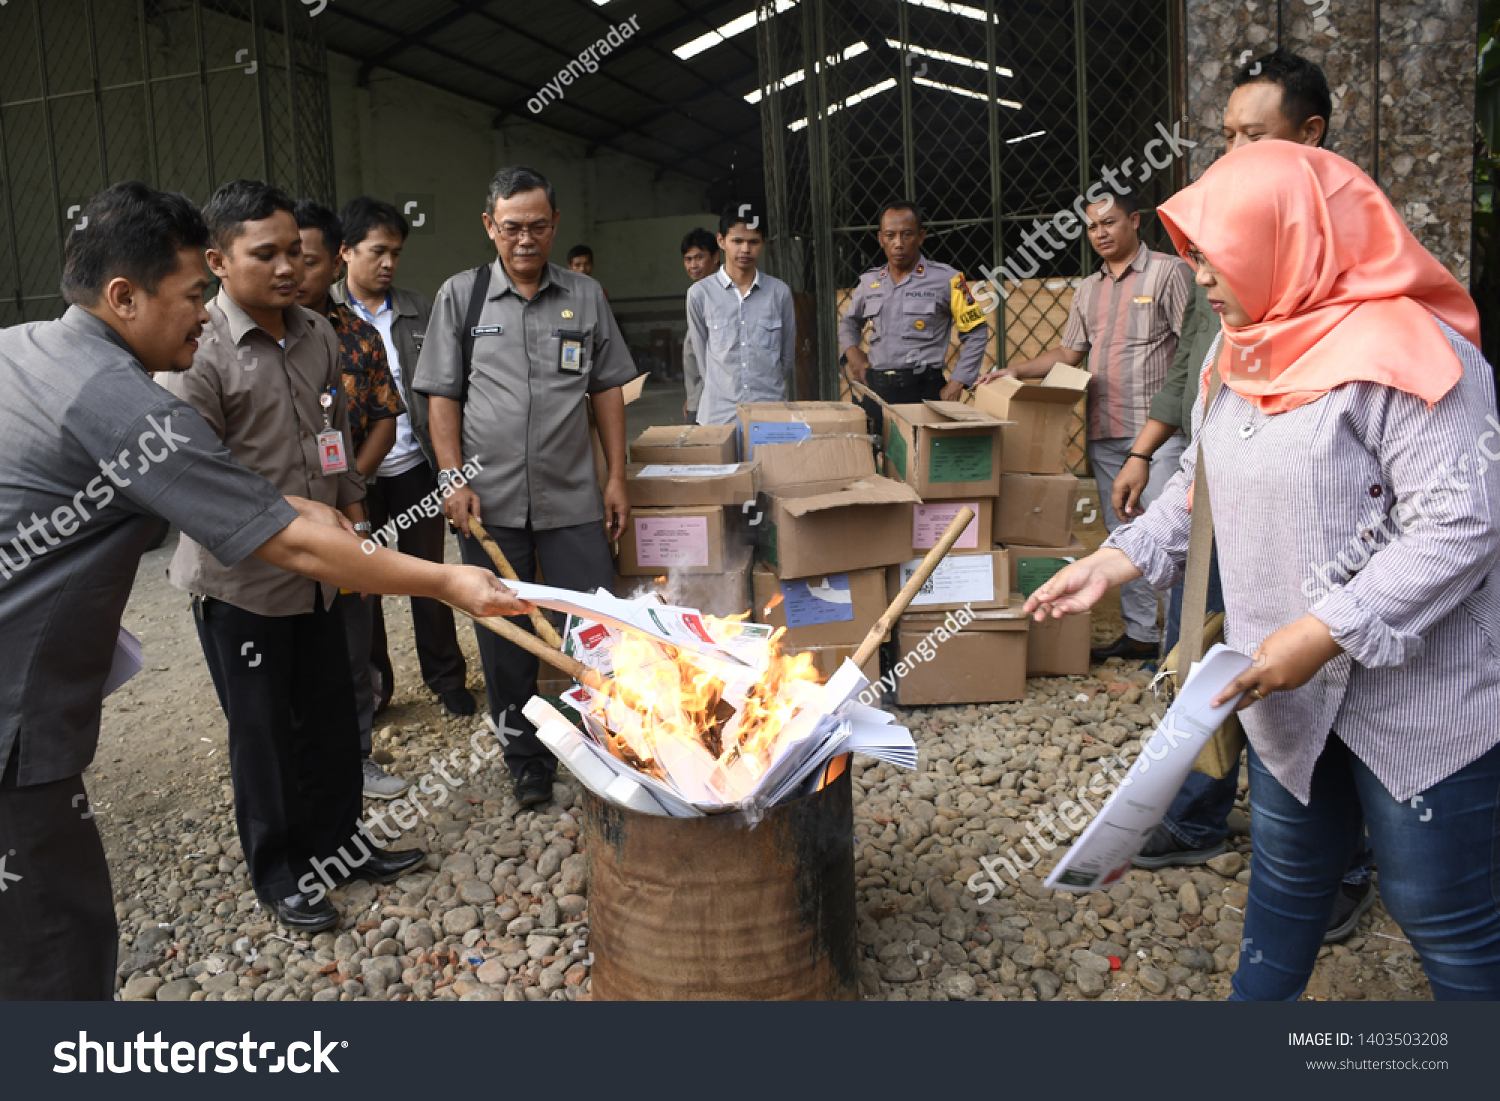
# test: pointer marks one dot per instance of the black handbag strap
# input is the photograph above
(477, 295)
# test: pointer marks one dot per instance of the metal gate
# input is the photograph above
(182, 94)
(992, 115)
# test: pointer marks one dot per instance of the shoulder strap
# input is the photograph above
(1200, 550)
(477, 295)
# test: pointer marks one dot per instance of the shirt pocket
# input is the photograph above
(919, 317)
(1143, 321)
(768, 333)
(585, 353)
(722, 333)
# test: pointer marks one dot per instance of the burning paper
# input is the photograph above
(736, 723)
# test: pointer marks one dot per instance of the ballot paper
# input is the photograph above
(1104, 851)
(127, 661)
(681, 627)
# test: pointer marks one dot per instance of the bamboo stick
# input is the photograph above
(887, 620)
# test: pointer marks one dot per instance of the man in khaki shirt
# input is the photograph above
(267, 378)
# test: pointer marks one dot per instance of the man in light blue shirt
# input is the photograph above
(741, 323)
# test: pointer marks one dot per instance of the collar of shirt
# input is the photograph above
(364, 311)
(917, 269)
(726, 282)
(1137, 263)
(85, 323)
(502, 284)
(240, 323)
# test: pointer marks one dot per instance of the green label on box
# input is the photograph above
(768, 544)
(962, 458)
(895, 448)
(1033, 573)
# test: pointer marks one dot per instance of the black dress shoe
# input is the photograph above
(382, 867)
(534, 785)
(302, 915)
(1127, 648)
(458, 701)
(1348, 908)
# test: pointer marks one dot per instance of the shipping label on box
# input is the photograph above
(811, 602)
(930, 519)
(661, 539)
(960, 580)
(1033, 567)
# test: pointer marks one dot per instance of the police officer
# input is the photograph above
(512, 350)
(911, 302)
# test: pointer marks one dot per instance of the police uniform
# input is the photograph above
(910, 322)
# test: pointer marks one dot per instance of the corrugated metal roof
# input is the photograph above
(687, 116)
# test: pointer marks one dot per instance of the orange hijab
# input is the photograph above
(1341, 290)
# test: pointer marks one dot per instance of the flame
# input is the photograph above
(775, 600)
(698, 716)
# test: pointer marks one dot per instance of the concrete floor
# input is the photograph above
(660, 403)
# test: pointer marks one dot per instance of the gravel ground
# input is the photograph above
(500, 911)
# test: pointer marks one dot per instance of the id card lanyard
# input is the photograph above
(330, 441)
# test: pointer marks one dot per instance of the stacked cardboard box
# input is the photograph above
(830, 527)
(1038, 499)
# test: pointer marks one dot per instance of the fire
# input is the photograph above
(697, 719)
(775, 600)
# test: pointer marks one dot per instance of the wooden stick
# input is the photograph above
(884, 624)
(539, 618)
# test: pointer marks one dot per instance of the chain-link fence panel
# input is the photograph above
(992, 115)
(183, 94)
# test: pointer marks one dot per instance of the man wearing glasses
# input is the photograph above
(513, 349)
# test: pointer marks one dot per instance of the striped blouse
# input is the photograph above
(1379, 516)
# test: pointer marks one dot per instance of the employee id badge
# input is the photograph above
(570, 351)
(331, 452)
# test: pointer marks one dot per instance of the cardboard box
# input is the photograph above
(943, 449)
(1037, 443)
(630, 392)
(765, 422)
(691, 443)
(717, 594)
(929, 519)
(1036, 510)
(835, 610)
(660, 485)
(973, 580)
(660, 541)
(828, 659)
(827, 511)
(1060, 647)
(1030, 567)
(985, 662)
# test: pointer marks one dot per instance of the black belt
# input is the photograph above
(912, 371)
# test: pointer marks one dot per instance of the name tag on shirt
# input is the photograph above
(570, 351)
(487, 330)
(1144, 300)
(331, 452)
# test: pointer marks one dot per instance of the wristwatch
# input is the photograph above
(446, 477)
(364, 527)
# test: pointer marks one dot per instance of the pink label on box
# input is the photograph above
(668, 541)
(928, 522)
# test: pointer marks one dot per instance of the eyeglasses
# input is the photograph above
(514, 231)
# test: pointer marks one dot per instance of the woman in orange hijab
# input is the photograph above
(1353, 459)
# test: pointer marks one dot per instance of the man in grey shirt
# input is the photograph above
(513, 351)
(741, 322)
(96, 453)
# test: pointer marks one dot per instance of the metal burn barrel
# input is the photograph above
(711, 909)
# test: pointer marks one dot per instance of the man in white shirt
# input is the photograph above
(403, 498)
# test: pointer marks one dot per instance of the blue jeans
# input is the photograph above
(1439, 873)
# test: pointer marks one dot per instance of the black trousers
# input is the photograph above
(58, 939)
(901, 387)
(438, 653)
(285, 687)
(571, 558)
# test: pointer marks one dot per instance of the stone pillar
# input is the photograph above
(1402, 77)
